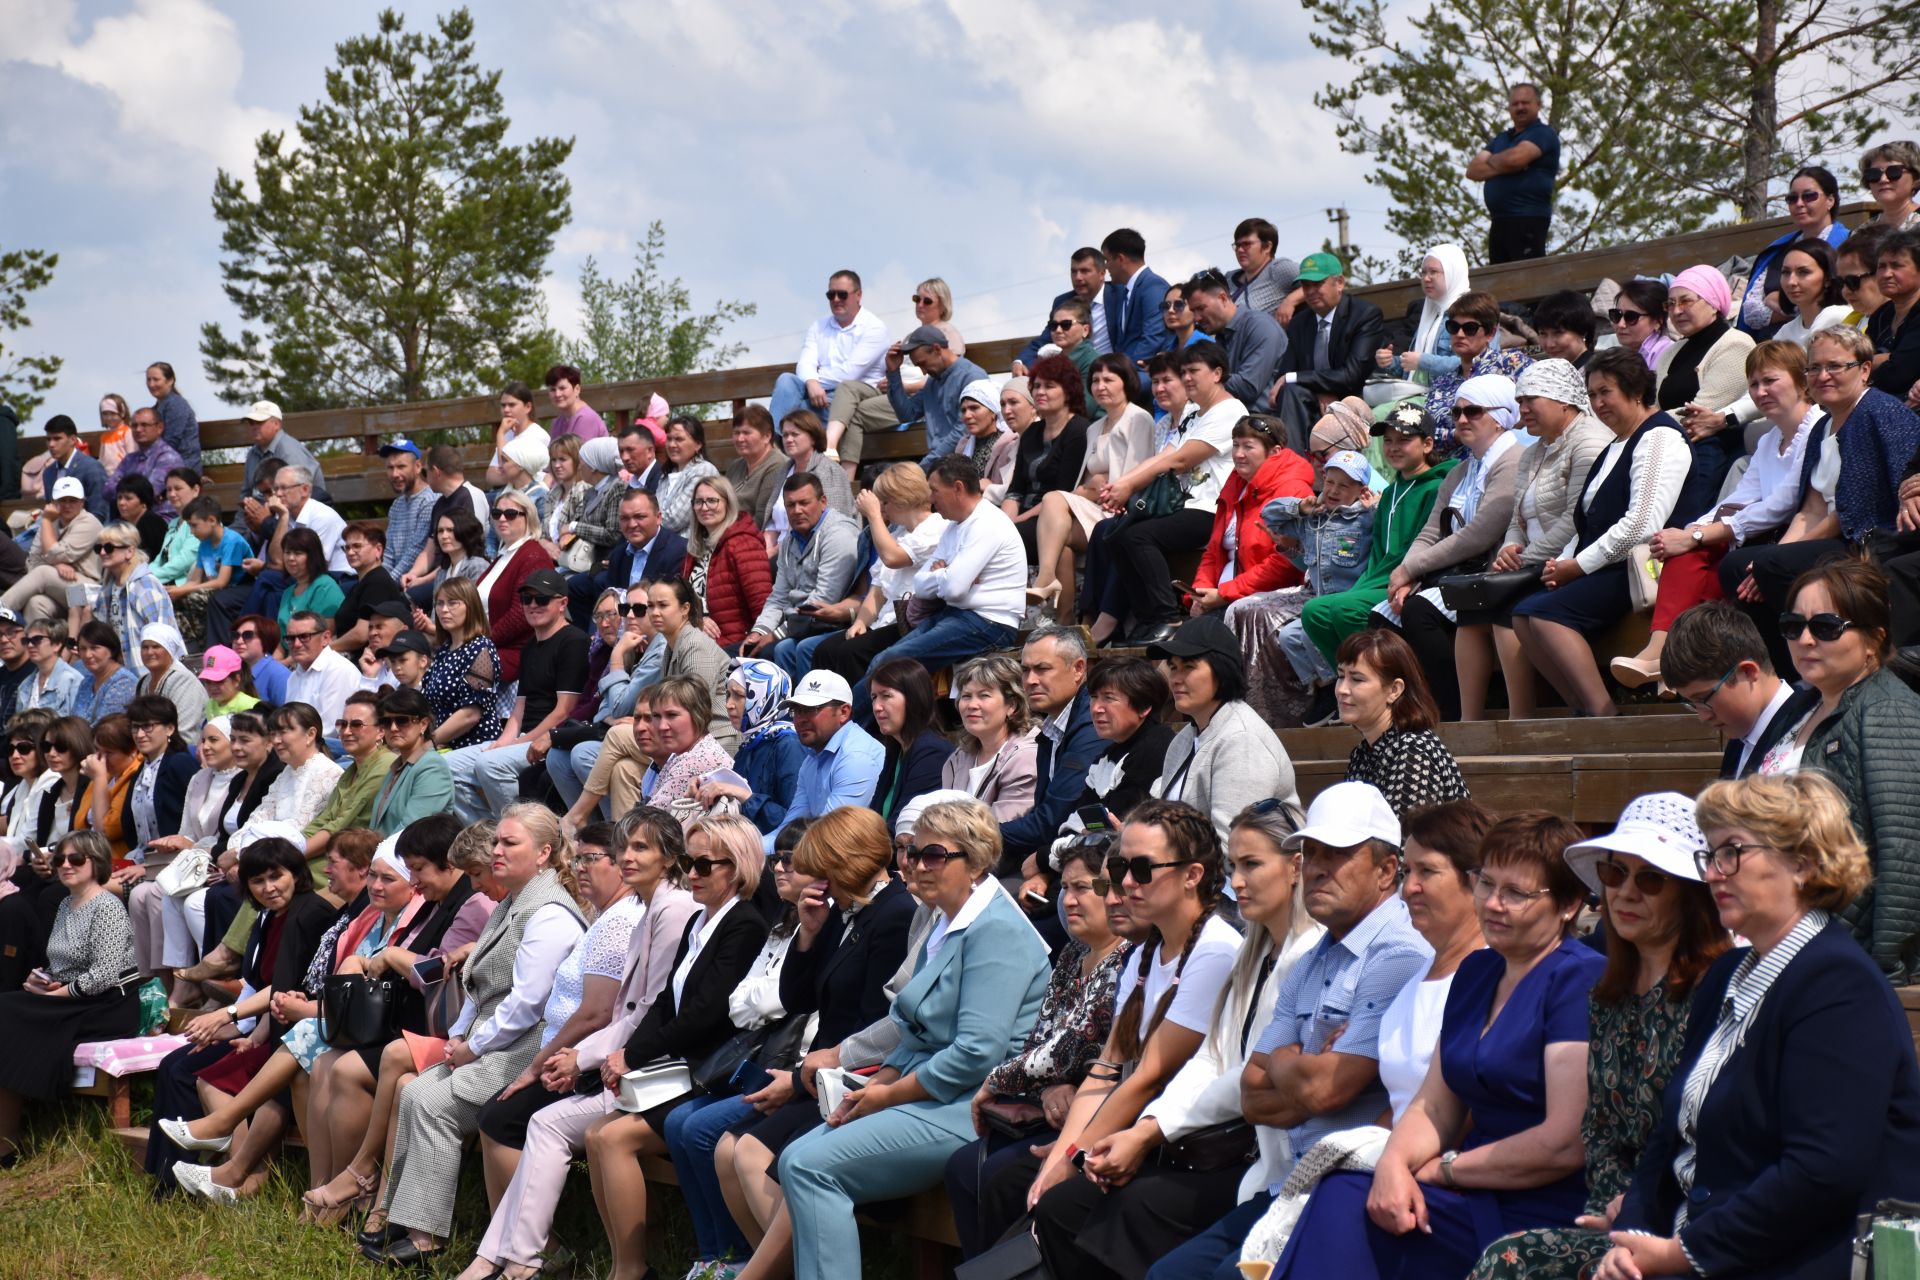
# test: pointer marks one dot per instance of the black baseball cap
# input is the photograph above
(550, 583)
(406, 642)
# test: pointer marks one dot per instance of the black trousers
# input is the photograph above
(1513, 239)
(1898, 554)
(1429, 633)
(176, 1096)
(505, 1120)
(1774, 567)
(987, 1183)
(1090, 1234)
(1299, 408)
(1140, 560)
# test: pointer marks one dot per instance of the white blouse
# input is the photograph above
(1660, 467)
(298, 794)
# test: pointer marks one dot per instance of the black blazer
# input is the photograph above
(915, 775)
(702, 1024)
(1359, 330)
(1140, 759)
(1797, 704)
(309, 916)
(1813, 1120)
(845, 980)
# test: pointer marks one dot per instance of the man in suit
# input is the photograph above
(1252, 340)
(1055, 662)
(1087, 276)
(1330, 346)
(1140, 330)
(650, 550)
(1718, 664)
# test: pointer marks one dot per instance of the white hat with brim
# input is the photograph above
(1659, 829)
(1348, 814)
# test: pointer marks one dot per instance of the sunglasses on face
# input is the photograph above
(149, 728)
(627, 610)
(1621, 315)
(703, 867)
(780, 861)
(1852, 283)
(1141, 869)
(838, 295)
(395, 722)
(1647, 880)
(36, 641)
(928, 855)
(922, 300)
(527, 599)
(20, 748)
(73, 859)
(1892, 173)
(1057, 325)
(509, 513)
(300, 637)
(1804, 197)
(1471, 328)
(246, 635)
(355, 725)
(1174, 304)
(1826, 627)
(1470, 412)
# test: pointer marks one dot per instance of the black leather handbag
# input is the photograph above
(775, 1047)
(1488, 592)
(356, 1010)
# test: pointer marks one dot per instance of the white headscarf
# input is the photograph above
(1554, 379)
(389, 853)
(167, 636)
(602, 454)
(528, 450)
(1453, 261)
(1494, 393)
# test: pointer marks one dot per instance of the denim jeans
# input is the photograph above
(790, 393)
(795, 657)
(1308, 662)
(693, 1131)
(569, 767)
(945, 638)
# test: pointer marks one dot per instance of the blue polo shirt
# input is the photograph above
(1528, 193)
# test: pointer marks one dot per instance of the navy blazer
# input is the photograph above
(1798, 703)
(914, 775)
(1814, 1119)
(664, 561)
(1057, 784)
(844, 977)
(1142, 328)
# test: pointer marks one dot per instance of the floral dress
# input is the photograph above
(463, 676)
(1633, 1052)
(1071, 1028)
(1445, 389)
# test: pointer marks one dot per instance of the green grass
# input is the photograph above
(77, 1207)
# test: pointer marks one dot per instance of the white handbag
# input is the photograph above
(186, 875)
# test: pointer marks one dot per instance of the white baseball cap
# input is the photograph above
(1660, 828)
(1348, 814)
(68, 487)
(1353, 464)
(820, 688)
(262, 410)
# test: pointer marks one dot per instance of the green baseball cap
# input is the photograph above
(1320, 266)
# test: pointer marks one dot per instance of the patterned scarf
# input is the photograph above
(767, 688)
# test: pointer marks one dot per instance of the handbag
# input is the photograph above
(186, 875)
(1488, 592)
(775, 1046)
(1643, 577)
(1218, 1146)
(1164, 496)
(1013, 1117)
(577, 556)
(356, 1010)
(1017, 1257)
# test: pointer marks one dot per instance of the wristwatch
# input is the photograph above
(1697, 533)
(233, 1014)
(1446, 1168)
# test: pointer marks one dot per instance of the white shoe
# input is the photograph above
(1635, 671)
(197, 1180)
(182, 1137)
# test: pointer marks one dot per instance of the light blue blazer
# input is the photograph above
(969, 1011)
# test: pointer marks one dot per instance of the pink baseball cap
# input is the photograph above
(219, 663)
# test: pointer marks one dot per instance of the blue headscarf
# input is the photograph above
(767, 688)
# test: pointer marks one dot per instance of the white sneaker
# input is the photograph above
(182, 1137)
(197, 1180)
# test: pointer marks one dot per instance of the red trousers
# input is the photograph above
(1685, 581)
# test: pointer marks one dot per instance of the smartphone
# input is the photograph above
(1184, 588)
(855, 1083)
(750, 1077)
(1094, 818)
(430, 969)
(42, 977)
(808, 607)
(1036, 899)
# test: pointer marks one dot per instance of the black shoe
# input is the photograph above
(1158, 633)
(403, 1253)
(380, 1237)
(1322, 710)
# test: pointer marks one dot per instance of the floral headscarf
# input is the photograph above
(766, 688)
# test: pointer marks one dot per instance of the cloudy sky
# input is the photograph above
(979, 140)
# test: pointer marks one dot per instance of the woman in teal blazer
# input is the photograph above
(973, 997)
(420, 783)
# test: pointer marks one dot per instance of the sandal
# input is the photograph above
(322, 1210)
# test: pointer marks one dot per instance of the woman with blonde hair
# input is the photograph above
(998, 754)
(726, 562)
(493, 1039)
(1796, 1104)
(515, 522)
(461, 679)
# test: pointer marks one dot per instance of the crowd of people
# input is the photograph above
(606, 804)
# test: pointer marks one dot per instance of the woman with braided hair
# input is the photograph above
(1169, 866)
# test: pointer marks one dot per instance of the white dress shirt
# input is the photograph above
(986, 567)
(1779, 700)
(325, 685)
(855, 353)
(545, 943)
(696, 942)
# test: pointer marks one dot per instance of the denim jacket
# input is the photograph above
(1332, 544)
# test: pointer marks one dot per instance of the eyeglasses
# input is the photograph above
(1805, 197)
(1471, 412)
(1141, 869)
(1469, 327)
(21, 748)
(1826, 627)
(1622, 315)
(606, 615)
(1852, 283)
(1174, 304)
(298, 637)
(839, 295)
(703, 867)
(1833, 370)
(353, 724)
(1650, 882)
(1892, 173)
(919, 299)
(927, 855)
(588, 858)
(148, 726)
(1511, 898)
(1057, 325)
(1723, 858)
(528, 599)
(509, 513)
(708, 502)
(246, 635)
(1705, 700)
(73, 859)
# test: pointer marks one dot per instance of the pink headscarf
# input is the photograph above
(1709, 284)
(656, 419)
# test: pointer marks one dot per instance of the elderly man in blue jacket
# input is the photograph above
(1055, 662)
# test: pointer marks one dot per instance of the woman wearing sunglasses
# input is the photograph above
(688, 1020)
(1639, 319)
(1813, 197)
(1888, 172)
(516, 522)
(1700, 376)
(1472, 327)
(1796, 1103)
(88, 989)
(1662, 934)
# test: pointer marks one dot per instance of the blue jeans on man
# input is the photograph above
(1214, 1254)
(569, 767)
(790, 393)
(795, 657)
(947, 637)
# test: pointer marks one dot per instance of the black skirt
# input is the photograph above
(42, 1031)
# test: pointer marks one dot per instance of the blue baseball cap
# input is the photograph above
(401, 445)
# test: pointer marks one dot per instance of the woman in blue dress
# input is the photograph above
(1491, 1143)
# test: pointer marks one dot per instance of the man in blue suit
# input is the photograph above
(1087, 274)
(1140, 330)
(1055, 663)
(650, 551)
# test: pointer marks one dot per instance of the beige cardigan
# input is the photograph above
(1723, 370)
(1556, 473)
(1117, 449)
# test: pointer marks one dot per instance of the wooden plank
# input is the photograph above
(1564, 735)
(1583, 788)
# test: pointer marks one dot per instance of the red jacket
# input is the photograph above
(1285, 474)
(739, 579)
(505, 620)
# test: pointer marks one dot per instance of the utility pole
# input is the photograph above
(1340, 218)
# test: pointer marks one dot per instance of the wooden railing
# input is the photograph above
(359, 479)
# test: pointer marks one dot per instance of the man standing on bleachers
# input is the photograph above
(848, 344)
(1134, 319)
(271, 440)
(1519, 166)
